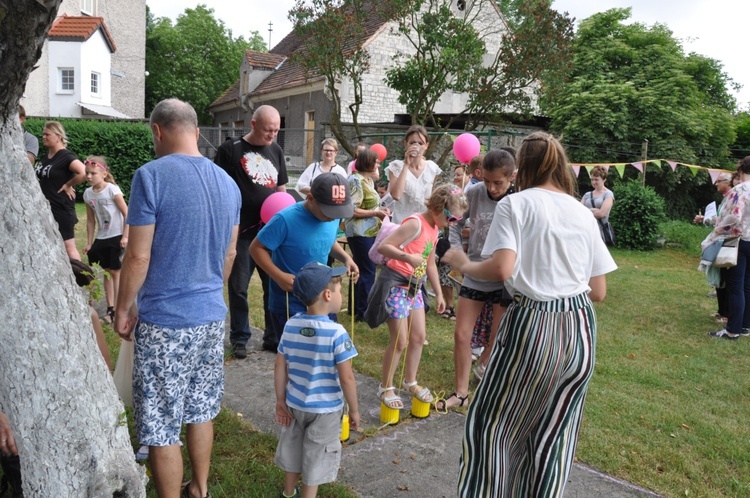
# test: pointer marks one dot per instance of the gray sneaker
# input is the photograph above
(723, 334)
(239, 351)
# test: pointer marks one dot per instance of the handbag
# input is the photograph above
(608, 233)
(727, 256)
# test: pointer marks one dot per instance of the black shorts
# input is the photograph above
(107, 253)
(66, 223)
(499, 296)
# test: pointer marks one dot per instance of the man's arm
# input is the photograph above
(262, 257)
(134, 270)
(231, 253)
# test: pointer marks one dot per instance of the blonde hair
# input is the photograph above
(101, 161)
(57, 128)
(447, 196)
(330, 141)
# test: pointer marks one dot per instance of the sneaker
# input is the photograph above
(270, 347)
(711, 294)
(142, 453)
(477, 352)
(723, 334)
(295, 495)
(745, 332)
(239, 351)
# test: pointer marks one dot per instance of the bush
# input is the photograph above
(685, 235)
(636, 215)
(127, 145)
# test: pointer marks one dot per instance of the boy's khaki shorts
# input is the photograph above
(311, 446)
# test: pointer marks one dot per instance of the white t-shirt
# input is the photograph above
(312, 171)
(109, 219)
(556, 240)
(416, 191)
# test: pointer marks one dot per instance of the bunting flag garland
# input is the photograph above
(640, 166)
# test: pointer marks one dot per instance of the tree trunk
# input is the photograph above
(55, 387)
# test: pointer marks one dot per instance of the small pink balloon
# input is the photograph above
(380, 150)
(275, 203)
(466, 147)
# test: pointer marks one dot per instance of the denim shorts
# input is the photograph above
(178, 378)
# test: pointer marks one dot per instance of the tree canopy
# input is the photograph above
(632, 82)
(195, 60)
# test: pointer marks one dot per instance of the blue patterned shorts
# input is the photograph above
(178, 377)
(399, 302)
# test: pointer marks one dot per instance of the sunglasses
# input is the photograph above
(450, 217)
(88, 162)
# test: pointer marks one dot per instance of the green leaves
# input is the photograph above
(195, 60)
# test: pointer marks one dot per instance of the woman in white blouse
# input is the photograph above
(412, 179)
(328, 150)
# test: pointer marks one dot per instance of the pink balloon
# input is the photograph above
(466, 147)
(380, 150)
(275, 203)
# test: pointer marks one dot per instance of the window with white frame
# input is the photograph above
(88, 7)
(67, 80)
(95, 82)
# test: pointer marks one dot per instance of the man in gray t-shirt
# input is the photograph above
(30, 142)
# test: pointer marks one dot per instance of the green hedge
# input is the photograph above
(636, 215)
(127, 145)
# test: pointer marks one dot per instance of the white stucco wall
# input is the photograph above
(126, 21)
(63, 103)
(96, 57)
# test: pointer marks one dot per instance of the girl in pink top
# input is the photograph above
(406, 320)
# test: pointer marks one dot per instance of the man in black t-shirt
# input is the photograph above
(256, 163)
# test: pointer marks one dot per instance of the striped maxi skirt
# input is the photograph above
(522, 426)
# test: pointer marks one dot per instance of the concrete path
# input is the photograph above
(416, 458)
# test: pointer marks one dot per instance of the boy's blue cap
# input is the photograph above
(313, 278)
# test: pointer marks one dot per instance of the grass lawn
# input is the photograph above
(667, 408)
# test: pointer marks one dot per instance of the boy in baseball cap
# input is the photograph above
(312, 393)
(298, 235)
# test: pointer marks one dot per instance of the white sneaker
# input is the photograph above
(142, 453)
(479, 371)
(477, 351)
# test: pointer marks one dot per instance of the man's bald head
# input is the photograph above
(265, 126)
(174, 126)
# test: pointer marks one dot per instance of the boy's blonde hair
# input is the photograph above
(448, 197)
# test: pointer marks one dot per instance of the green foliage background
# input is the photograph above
(636, 216)
(127, 145)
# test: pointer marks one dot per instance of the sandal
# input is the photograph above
(421, 393)
(394, 402)
(479, 371)
(444, 409)
(186, 491)
(449, 313)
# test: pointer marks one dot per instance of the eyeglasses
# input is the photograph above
(329, 151)
(724, 180)
(450, 217)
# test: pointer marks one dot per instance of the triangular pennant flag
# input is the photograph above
(714, 174)
(672, 164)
(693, 169)
(576, 169)
(589, 168)
(638, 166)
(620, 170)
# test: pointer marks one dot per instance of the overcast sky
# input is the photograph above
(716, 29)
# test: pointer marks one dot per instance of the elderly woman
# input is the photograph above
(58, 172)
(328, 150)
(363, 227)
(734, 221)
(412, 179)
(600, 200)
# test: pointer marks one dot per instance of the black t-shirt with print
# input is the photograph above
(52, 173)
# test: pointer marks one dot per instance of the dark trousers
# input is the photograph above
(738, 291)
(721, 293)
(239, 280)
(360, 246)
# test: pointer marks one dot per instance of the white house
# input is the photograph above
(92, 63)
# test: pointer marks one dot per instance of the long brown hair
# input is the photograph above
(540, 159)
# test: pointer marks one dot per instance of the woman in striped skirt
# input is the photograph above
(522, 426)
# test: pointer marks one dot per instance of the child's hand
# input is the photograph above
(283, 415)
(353, 420)
(124, 242)
(86, 248)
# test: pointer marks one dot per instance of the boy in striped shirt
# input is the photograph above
(312, 377)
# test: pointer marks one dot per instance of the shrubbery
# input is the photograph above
(636, 215)
(126, 145)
